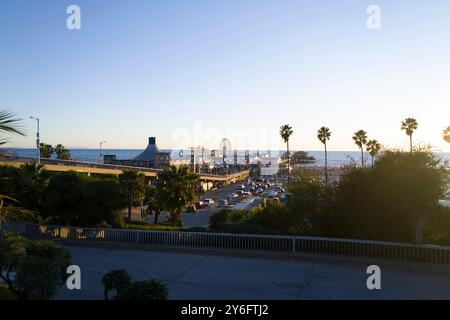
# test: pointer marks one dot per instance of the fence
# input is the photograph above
(247, 242)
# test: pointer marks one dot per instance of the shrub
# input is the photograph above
(115, 280)
(39, 266)
(144, 290)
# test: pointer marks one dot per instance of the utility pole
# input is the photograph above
(38, 141)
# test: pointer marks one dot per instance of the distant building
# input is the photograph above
(151, 157)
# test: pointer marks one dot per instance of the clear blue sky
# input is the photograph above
(208, 69)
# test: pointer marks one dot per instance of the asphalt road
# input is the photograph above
(201, 217)
(191, 276)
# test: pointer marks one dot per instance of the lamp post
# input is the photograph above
(38, 142)
(101, 144)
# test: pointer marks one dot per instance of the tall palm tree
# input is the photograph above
(360, 139)
(446, 134)
(324, 134)
(132, 184)
(177, 188)
(10, 124)
(285, 133)
(409, 125)
(373, 147)
(61, 152)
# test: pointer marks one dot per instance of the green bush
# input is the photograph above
(144, 290)
(115, 280)
(39, 266)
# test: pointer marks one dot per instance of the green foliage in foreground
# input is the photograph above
(120, 281)
(39, 267)
(385, 202)
(116, 280)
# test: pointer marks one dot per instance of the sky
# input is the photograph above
(192, 72)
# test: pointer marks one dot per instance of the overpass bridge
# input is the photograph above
(111, 169)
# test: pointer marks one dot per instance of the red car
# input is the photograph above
(199, 205)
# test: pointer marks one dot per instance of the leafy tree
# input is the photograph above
(9, 124)
(285, 133)
(390, 201)
(29, 184)
(409, 125)
(116, 280)
(39, 266)
(154, 200)
(78, 200)
(373, 147)
(324, 134)
(360, 139)
(132, 184)
(144, 290)
(46, 150)
(63, 195)
(177, 187)
(61, 152)
(446, 134)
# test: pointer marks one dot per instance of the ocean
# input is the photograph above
(335, 158)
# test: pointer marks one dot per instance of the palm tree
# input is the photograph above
(324, 134)
(360, 139)
(46, 150)
(132, 184)
(285, 133)
(446, 134)
(61, 152)
(10, 124)
(29, 184)
(373, 147)
(177, 187)
(409, 125)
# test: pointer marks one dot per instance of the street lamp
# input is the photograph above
(101, 144)
(38, 142)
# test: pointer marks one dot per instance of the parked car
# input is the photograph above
(241, 187)
(199, 205)
(222, 203)
(208, 202)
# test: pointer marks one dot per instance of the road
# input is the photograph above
(192, 276)
(201, 217)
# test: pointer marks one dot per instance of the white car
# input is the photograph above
(208, 202)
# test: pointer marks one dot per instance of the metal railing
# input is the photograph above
(248, 242)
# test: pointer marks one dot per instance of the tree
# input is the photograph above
(39, 267)
(154, 201)
(390, 201)
(132, 183)
(144, 290)
(177, 186)
(409, 125)
(78, 200)
(46, 150)
(324, 134)
(29, 184)
(61, 152)
(9, 124)
(285, 133)
(116, 280)
(373, 147)
(446, 134)
(360, 139)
